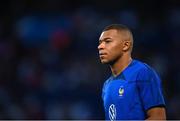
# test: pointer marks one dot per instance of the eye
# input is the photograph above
(108, 41)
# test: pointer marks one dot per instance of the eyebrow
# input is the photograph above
(105, 39)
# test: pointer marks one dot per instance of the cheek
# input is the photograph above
(116, 50)
(117, 53)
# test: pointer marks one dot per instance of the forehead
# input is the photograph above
(109, 34)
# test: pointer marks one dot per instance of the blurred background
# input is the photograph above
(49, 65)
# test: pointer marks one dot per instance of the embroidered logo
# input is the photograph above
(121, 91)
(112, 112)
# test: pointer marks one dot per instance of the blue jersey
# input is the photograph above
(130, 94)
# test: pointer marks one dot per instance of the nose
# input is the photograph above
(101, 46)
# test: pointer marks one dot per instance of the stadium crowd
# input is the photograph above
(49, 65)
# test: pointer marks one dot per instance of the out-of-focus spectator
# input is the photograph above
(48, 54)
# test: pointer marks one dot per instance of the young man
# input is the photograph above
(134, 89)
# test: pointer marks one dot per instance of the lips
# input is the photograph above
(101, 55)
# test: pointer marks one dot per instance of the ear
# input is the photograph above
(126, 45)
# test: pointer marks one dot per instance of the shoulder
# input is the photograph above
(146, 72)
(144, 67)
(135, 69)
(141, 67)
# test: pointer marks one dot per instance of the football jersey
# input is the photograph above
(130, 94)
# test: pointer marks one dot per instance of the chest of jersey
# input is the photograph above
(121, 99)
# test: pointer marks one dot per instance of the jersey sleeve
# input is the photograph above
(150, 89)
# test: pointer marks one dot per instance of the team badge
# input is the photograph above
(121, 91)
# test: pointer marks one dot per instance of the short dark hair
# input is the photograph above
(119, 27)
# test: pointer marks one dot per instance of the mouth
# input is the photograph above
(101, 55)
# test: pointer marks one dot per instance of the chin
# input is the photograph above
(107, 62)
(104, 62)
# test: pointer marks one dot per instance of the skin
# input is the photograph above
(157, 113)
(115, 50)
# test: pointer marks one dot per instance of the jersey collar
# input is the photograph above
(125, 74)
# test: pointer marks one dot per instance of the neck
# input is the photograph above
(120, 64)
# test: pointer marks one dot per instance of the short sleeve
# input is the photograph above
(150, 89)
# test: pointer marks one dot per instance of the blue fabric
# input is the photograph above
(130, 94)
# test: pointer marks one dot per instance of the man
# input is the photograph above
(134, 89)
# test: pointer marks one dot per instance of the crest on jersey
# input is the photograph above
(112, 112)
(121, 91)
